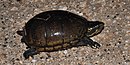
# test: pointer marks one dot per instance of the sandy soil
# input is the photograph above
(114, 39)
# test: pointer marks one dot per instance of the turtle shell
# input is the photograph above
(54, 29)
(57, 30)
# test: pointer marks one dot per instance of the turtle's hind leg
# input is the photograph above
(30, 52)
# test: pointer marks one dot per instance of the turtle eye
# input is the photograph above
(91, 32)
(95, 29)
(90, 29)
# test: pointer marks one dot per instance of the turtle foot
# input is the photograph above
(30, 52)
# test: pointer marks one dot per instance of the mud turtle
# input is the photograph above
(58, 30)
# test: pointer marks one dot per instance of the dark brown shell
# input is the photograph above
(48, 30)
(57, 30)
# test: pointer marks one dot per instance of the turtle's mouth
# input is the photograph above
(96, 29)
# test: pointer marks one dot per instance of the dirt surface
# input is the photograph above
(114, 39)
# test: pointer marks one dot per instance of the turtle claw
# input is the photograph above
(94, 45)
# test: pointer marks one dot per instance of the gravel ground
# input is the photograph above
(114, 39)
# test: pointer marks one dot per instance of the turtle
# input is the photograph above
(57, 30)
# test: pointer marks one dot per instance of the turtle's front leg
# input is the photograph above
(30, 52)
(90, 42)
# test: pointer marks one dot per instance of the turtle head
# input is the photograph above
(94, 28)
